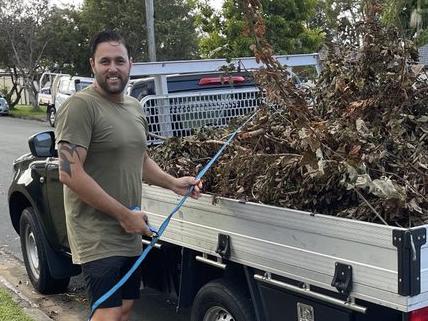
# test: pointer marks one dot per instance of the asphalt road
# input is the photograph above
(14, 134)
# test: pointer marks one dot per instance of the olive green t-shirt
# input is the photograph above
(114, 135)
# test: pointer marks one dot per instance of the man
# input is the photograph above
(101, 136)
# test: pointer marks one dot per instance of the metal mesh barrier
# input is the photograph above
(179, 114)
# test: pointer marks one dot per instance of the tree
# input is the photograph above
(410, 16)
(174, 25)
(286, 27)
(67, 50)
(21, 23)
(13, 94)
(331, 15)
(175, 30)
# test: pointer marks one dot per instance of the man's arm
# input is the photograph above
(72, 174)
(153, 174)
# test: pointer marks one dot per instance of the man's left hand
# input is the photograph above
(183, 184)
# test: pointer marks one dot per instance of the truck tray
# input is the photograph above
(300, 245)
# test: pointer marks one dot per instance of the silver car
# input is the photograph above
(4, 107)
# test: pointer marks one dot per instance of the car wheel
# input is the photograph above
(52, 116)
(221, 300)
(35, 255)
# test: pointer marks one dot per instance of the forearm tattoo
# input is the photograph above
(67, 152)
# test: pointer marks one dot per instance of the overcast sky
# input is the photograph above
(214, 3)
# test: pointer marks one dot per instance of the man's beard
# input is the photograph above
(117, 89)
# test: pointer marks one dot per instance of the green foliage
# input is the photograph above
(21, 33)
(67, 50)
(396, 14)
(128, 17)
(410, 16)
(331, 14)
(286, 28)
(5, 51)
(175, 30)
(65, 33)
(21, 24)
(174, 25)
(422, 38)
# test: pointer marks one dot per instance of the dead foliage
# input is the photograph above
(356, 149)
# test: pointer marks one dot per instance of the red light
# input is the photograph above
(221, 80)
(419, 315)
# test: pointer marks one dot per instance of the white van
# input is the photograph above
(62, 88)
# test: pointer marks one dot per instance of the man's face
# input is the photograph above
(111, 66)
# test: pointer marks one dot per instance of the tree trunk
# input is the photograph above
(32, 92)
(15, 90)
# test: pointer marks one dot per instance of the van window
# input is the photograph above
(82, 85)
(64, 86)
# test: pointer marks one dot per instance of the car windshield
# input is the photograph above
(82, 85)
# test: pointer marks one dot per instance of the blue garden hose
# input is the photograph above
(157, 234)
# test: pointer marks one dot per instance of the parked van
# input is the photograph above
(44, 96)
(62, 88)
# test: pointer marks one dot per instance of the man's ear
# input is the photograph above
(92, 63)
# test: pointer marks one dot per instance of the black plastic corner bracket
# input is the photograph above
(223, 246)
(342, 279)
(408, 244)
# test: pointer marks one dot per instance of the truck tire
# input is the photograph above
(35, 255)
(221, 300)
(51, 115)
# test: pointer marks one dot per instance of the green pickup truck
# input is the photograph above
(37, 214)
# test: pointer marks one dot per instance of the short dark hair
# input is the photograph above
(107, 36)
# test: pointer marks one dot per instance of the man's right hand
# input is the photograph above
(136, 222)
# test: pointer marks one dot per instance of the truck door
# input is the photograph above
(63, 92)
(56, 201)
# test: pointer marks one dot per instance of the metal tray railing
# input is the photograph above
(178, 115)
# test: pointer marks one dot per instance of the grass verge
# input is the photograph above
(9, 310)
(26, 111)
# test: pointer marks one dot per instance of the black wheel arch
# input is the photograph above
(21, 197)
(59, 263)
(18, 201)
(49, 107)
(194, 275)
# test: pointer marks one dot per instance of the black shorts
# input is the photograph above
(101, 275)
